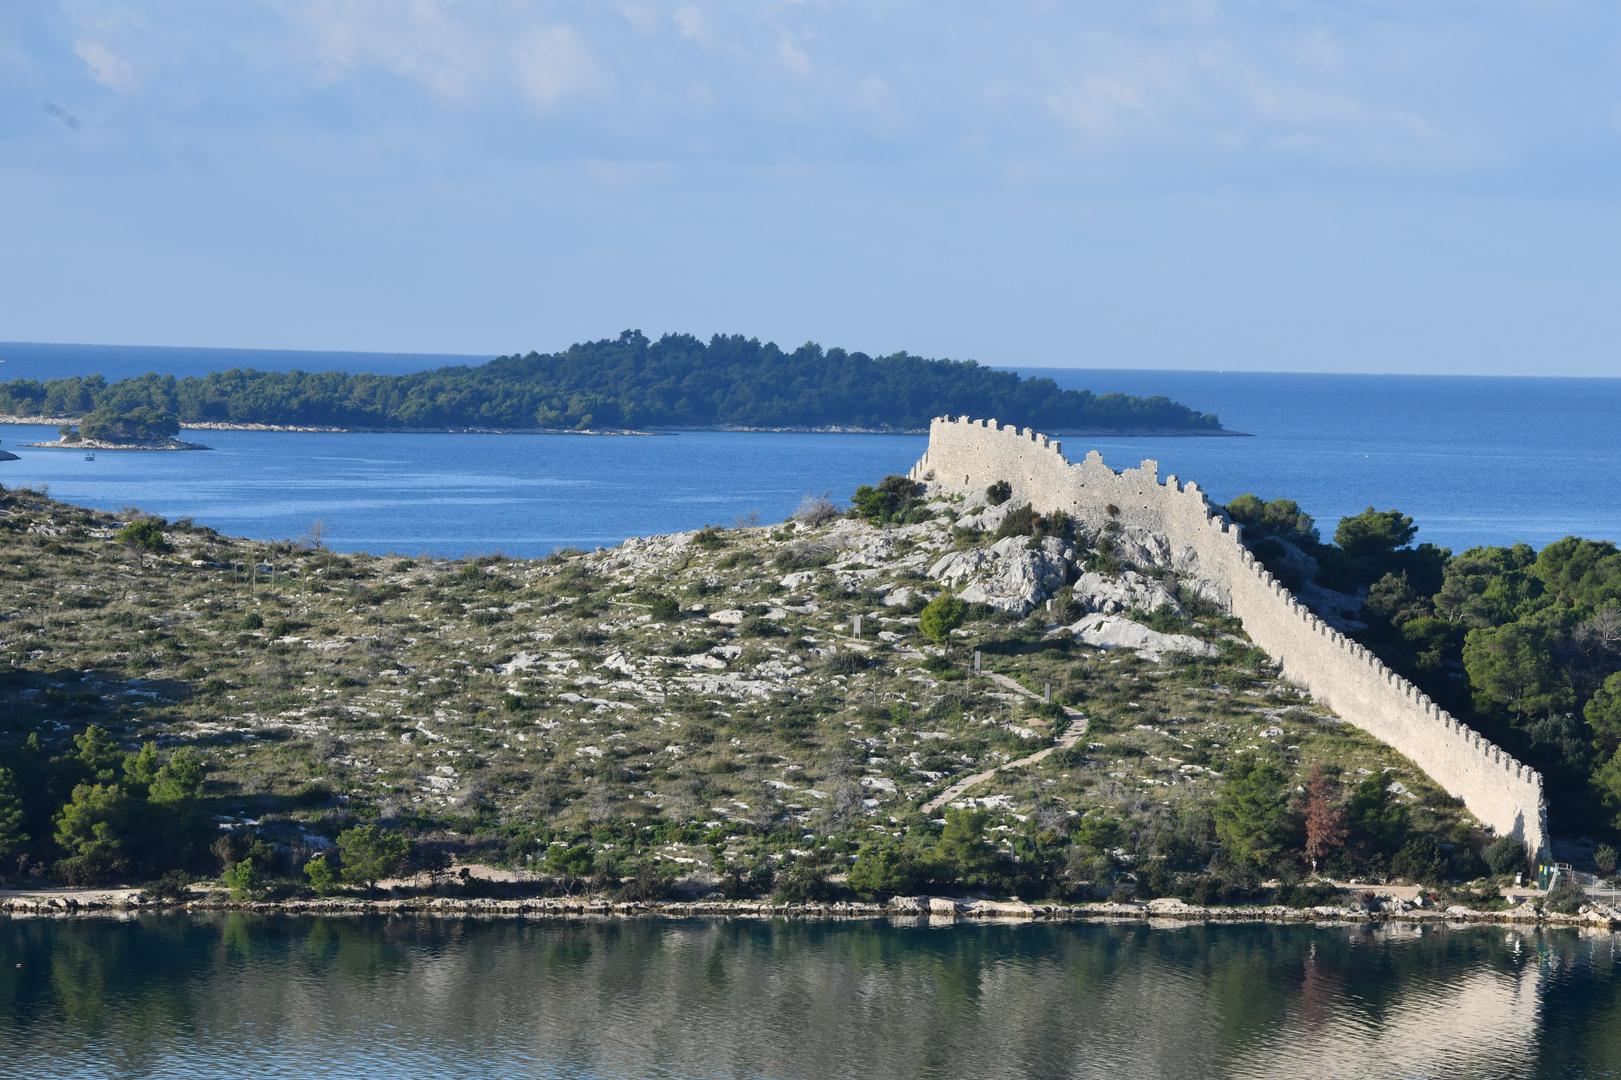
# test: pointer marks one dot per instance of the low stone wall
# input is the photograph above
(966, 455)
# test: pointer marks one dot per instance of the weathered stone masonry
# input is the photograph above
(967, 455)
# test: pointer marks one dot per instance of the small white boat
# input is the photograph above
(90, 457)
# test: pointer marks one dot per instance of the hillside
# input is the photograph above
(691, 712)
(677, 381)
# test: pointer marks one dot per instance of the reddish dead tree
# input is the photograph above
(1325, 821)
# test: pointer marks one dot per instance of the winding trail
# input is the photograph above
(1077, 728)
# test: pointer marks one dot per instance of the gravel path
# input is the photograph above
(1077, 728)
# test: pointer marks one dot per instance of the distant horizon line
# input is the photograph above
(486, 357)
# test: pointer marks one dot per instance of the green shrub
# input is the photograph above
(802, 883)
(1565, 898)
(884, 867)
(244, 880)
(999, 493)
(755, 624)
(371, 854)
(940, 617)
(893, 500)
(1420, 860)
(144, 534)
(664, 608)
(1020, 521)
(1253, 817)
(645, 885)
(802, 555)
(845, 662)
(1281, 518)
(323, 878)
(963, 855)
(1505, 855)
(172, 886)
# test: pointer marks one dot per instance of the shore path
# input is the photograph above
(1077, 728)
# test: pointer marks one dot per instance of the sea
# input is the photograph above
(370, 997)
(1473, 460)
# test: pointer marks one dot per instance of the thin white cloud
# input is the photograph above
(554, 63)
(459, 52)
(1295, 94)
(793, 57)
(1099, 104)
(643, 18)
(106, 66)
(423, 41)
(689, 23)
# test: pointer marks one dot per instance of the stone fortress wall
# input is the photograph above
(966, 455)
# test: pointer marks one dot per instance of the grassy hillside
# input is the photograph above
(684, 712)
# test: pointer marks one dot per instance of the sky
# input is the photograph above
(1346, 185)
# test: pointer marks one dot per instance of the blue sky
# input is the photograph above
(1358, 185)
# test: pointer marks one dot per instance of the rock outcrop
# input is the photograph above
(1117, 632)
(1129, 591)
(1014, 574)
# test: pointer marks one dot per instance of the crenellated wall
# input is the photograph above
(968, 455)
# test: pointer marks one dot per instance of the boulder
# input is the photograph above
(1211, 591)
(1127, 592)
(904, 596)
(987, 518)
(1011, 574)
(1115, 632)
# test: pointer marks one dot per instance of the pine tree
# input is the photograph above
(1252, 815)
(13, 838)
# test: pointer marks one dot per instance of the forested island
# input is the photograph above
(139, 427)
(631, 381)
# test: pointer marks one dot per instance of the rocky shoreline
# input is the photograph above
(101, 444)
(934, 909)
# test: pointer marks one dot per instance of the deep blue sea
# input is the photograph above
(1474, 460)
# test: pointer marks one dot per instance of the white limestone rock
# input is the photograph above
(1010, 574)
(987, 518)
(1130, 591)
(1115, 632)
(1210, 590)
(522, 662)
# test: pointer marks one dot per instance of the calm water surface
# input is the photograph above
(272, 996)
(1474, 460)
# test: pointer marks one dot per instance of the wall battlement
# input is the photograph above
(966, 455)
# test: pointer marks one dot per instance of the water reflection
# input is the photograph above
(176, 996)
